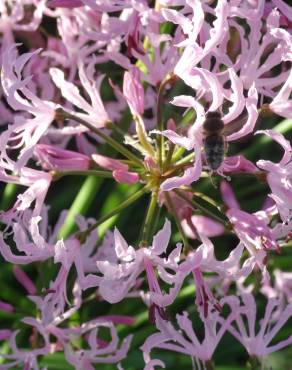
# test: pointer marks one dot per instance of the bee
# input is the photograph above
(214, 132)
(214, 141)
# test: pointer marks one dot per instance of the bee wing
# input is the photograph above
(235, 125)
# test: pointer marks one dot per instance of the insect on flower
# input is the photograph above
(214, 143)
(214, 132)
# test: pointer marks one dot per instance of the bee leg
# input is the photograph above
(211, 179)
(220, 172)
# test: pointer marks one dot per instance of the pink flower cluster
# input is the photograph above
(232, 57)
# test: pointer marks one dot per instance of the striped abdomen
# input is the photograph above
(214, 148)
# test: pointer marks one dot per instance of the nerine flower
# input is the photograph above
(185, 340)
(279, 176)
(119, 278)
(134, 91)
(258, 342)
(194, 139)
(107, 353)
(25, 132)
(94, 112)
(54, 158)
(30, 202)
(119, 169)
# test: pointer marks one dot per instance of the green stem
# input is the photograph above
(177, 154)
(8, 196)
(254, 363)
(104, 174)
(110, 141)
(82, 235)
(149, 219)
(204, 196)
(185, 159)
(160, 123)
(204, 206)
(188, 117)
(81, 204)
(168, 159)
(209, 365)
(177, 220)
(142, 136)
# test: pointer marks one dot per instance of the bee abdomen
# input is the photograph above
(214, 151)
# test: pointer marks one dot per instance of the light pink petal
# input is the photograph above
(177, 139)
(134, 91)
(92, 86)
(24, 280)
(123, 251)
(190, 175)
(284, 8)
(113, 291)
(214, 87)
(238, 163)
(228, 195)
(236, 97)
(68, 90)
(281, 104)
(65, 3)
(55, 158)
(161, 239)
(125, 177)
(109, 163)
(5, 334)
(220, 27)
(251, 106)
(188, 60)
(4, 306)
(280, 139)
(204, 225)
(177, 18)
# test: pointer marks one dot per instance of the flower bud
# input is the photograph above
(53, 158)
(65, 4)
(133, 91)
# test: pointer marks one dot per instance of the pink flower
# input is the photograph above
(194, 53)
(193, 141)
(238, 163)
(37, 182)
(24, 280)
(54, 158)
(65, 3)
(198, 224)
(120, 170)
(94, 112)
(27, 358)
(26, 132)
(134, 91)
(119, 278)
(254, 233)
(5, 334)
(108, 353)
(279, 176)
(228, 195)
(204, 260)
(258, 344)
(4, 306)
(184, 340)
(283, 284)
